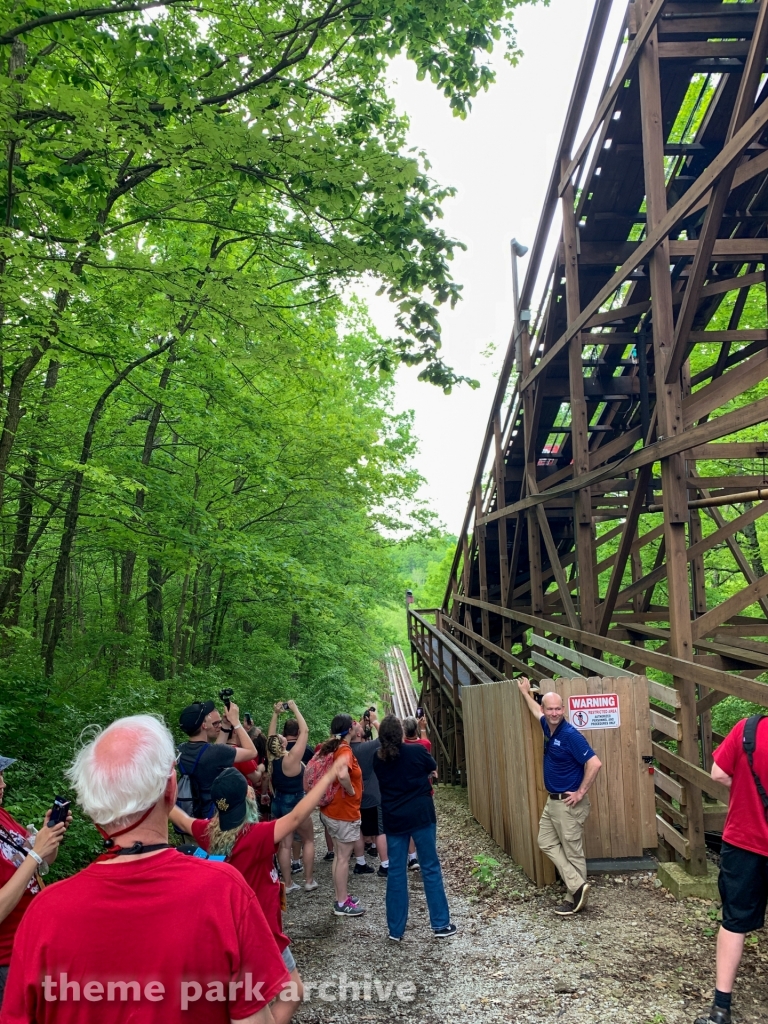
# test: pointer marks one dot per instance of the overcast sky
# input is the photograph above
(499, 159)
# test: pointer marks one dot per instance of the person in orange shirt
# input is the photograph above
(341, 816)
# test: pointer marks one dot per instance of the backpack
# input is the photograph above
(749, 743)
(188, 795)
(316, 768)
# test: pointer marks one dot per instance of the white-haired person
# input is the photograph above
(145, 933)
(250, 846)
(24, 858)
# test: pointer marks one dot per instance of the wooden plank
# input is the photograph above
(648, 832)
(738, 686)
(672, 836)
(620, 846)
(553, 666)
(578, 658)
(666, 807)
(669, 786)
(630, 760)
(691, 773)
(666, 725)
(667, 694)
(746, 597)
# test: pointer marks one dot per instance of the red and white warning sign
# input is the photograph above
(594, 711)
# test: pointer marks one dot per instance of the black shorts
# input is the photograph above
(743, 885)
(370, 821)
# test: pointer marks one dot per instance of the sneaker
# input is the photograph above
(446, 933)
(580, 898)
(296, 866)
(395, 938)
(565, 909)
(413, 865)
(383, 872)
(310, 886)
(347, 909)
(371, 850)
(363, 869)
(717, 1015)
(353, 899)
(292, 888)
(329, 855)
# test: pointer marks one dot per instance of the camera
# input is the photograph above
(286, 706)
(225, 695)
(59, 811)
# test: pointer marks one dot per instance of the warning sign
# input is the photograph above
(594, 711)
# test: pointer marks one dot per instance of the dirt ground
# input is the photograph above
(636, 956)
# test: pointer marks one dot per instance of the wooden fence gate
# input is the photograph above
(505, 778)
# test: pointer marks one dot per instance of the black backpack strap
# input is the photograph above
(749, 743)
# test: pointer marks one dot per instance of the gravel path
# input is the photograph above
(635, 957)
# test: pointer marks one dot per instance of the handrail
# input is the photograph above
(471, 666)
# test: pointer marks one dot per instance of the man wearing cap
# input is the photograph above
(23, 858)
(570, 768)
(202, 760)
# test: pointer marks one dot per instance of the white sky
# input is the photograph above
(500, 159)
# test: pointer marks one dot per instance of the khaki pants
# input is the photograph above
(561, 838)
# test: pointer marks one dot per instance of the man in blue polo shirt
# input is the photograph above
(570, 768)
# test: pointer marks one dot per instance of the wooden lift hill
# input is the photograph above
(613, 523)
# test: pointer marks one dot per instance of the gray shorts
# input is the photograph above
(343, 831)
(290, 963)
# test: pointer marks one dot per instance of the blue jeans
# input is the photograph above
(431, 873)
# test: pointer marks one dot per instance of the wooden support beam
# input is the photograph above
(625, 546)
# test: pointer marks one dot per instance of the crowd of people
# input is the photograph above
(243, 803)
(240, 804)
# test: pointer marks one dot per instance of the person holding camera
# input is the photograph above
(203, 760)
(24, 857)
(287, 774)
(107, 944)
(249, 845)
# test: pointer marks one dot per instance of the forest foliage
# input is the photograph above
(199, 462)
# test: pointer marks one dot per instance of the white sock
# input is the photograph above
(412, 856)
(385, 863)
(360, 860)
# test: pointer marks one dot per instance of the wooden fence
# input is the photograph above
(505, 778)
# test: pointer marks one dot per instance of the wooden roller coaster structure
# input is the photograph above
(629, 409)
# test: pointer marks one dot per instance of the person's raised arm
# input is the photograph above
(344, 779)
(525, 688)
(181, 819)
(292, 759)
(245, 750)
(290, 822)
(272, 731)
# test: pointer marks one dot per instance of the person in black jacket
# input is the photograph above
(408, 810)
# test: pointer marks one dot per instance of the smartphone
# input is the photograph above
(419, 712)
(247, 719)
(59, 811)
(286, 707)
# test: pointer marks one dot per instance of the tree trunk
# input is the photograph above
(155, 623)
(129, 558)
(10, 596)
(54, 616)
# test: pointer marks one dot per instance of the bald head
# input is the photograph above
(552, 706)
(124, 770)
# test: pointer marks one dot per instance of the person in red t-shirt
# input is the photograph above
(106, 944)
(743, 879)
(19, 868)
(341, 817)
(250, 846)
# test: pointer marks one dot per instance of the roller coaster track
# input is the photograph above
(403, 696)
(632, 405)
